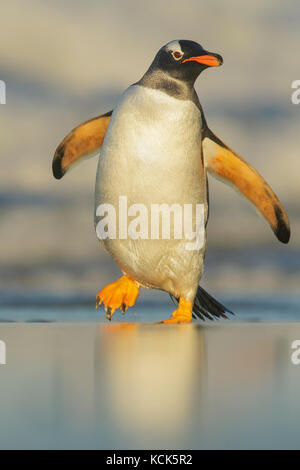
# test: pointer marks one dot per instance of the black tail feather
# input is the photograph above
(205, 306)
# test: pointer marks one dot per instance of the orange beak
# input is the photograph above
(209, 60)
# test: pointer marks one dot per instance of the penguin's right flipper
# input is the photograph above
(82, 142)
(225, 164)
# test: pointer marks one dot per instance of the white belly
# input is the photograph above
(152, 155)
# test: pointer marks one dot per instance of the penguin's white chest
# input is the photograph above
(153, 141)
(152, 155)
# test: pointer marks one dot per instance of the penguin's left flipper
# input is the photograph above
(228, 166)
(82, 142)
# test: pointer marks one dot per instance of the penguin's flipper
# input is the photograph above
(82, 142)
(225, 164)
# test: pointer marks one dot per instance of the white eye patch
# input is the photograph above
(174, 46)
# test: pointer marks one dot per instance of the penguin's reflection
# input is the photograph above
(150, 375)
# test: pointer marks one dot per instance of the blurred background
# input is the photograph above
(66, 61)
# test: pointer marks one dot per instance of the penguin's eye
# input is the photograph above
(177, 55)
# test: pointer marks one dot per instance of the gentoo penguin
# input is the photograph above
(156, 148)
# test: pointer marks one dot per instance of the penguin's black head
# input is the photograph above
(184, 60)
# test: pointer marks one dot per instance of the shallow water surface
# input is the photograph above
(138, 385)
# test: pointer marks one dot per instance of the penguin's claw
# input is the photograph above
(123, 308)
(120, 294)
(183, 314)
(108, 313)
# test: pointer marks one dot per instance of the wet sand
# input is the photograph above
(90, 384)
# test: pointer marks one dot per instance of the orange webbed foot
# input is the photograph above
(183, 314)
(119, 294)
